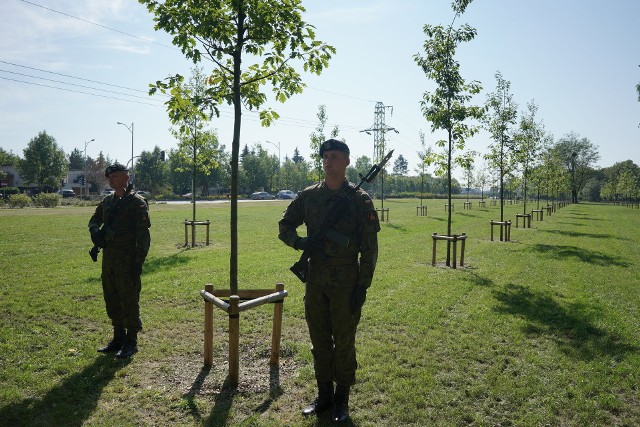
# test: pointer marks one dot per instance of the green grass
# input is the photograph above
(542, 330)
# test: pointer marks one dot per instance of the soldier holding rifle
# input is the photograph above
(120, 225)
(339, 259)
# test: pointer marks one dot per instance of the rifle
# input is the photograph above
(95, 250)
(300, 268)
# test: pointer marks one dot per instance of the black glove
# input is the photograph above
(308, 244)
(136, 269)
(358, 297)
(97, 238)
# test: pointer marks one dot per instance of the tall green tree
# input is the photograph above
(502, 115)
(44, 163)
(259, 170)
(265, 37)
(578, 156)
(76, 160)
(446, 107)
(295, 174)
(400, 166)
(152, 173)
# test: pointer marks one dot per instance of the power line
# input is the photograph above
(73, 77)
(71, 84)
(99, 25)
(79, 91)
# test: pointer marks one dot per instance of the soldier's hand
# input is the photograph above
(358, 297)
(308, 244)
(96, 237)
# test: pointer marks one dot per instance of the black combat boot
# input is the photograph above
(117, 342)
(130, 346)
(324, 400)
(340, 404)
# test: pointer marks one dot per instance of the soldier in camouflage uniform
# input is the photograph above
(120, 225)
(338, 276)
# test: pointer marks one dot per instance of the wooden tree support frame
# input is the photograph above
(193, 224)
(382, 211)
(455, 238)
(538, 213)
(526, 220)
(482, 204)
(446, 207)
(421, 210)
(467, 205)
(505, 229)
(252, 298)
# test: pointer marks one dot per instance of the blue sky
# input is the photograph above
(579, 61)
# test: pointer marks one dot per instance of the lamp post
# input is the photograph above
(86, 193)
(279, 172)
(130, 129)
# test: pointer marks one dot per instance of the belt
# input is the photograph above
(333, 261)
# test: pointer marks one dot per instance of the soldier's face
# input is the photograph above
(335, 162)
(118, 180)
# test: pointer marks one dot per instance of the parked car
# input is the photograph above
(286, 194)
(262, 195)
(67, 193)
(106, 192)
(144, 194)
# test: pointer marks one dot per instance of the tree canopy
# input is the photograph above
(271, 33)
(44, 163)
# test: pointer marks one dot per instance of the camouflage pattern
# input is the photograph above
(331, 282)
(126, 223)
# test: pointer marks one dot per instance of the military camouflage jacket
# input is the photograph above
(359, 223)
(125, 223)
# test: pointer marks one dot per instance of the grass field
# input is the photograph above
(542, 330)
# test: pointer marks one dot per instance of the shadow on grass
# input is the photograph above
(584, 255)
(165, 262)
(275, 391)
(579, 234)
(571, 327)
(395, 226)
(219, 415)
(70, 403)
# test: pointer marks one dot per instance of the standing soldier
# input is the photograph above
(124, 218)
(338, 276)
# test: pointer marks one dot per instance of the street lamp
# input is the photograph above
(130, 130)
(86, 193)
(279, 172)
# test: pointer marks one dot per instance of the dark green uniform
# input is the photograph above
(331, 281)
(125, 222)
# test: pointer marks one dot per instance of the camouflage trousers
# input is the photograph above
(332, 325)
(120, 288)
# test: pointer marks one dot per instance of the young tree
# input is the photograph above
(468, 178)
(577, 155)
(528, 141)
(44, 163)
(272, 33)
(317, 137)
(445, 108)
(498, 123)
(482, 178)
(423, 155)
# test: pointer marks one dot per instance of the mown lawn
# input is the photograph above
(542, 330)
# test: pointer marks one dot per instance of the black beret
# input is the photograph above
(333, 145)
(116, 167)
